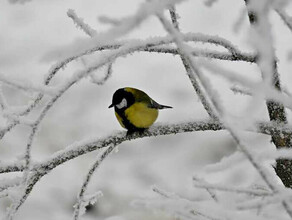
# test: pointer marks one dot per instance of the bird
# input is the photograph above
(134, 109)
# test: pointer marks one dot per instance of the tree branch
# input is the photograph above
(276, 110)
(207, 105)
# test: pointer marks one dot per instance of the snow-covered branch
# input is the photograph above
(79, 208)
(151, 45)
(83, 147)
(214, 99)
(81, 24)
(110, 47)
(197, 87)
(232, 189)
(27, 86)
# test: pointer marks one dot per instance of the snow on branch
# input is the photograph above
(111, 50)
(184, 208)
(89, 145)
(232, 189)
(215, 101)
(79, 208)
(108, 74)
(80, 23)
(261, 39)
(27, 86)
(207, 105)
(38, 170)
(267, 92)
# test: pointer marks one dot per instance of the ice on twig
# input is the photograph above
(88, 199)
(80, 23)
(26, 85)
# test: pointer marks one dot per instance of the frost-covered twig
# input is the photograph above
(241, 91)
(190, 74)
(184, 49)
(266, 92)
(259, 203)
(184, 210)
(259, 19)
(85, 201)
(27, 86)
(79, 207)
(86, 146)
(174, 17)
(90, 145)
(83, 147)
(150, 47)
(80, 23)
(219, 187)
(201, 181)
(34, 178)
(108, 74)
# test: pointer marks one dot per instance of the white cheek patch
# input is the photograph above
(122, 104)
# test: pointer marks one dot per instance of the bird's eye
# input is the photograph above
(122, 104)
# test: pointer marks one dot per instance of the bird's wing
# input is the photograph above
(156, 105)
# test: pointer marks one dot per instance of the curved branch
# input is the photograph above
(155, 45)
(86, 146)
(91, 171)
(83, 147)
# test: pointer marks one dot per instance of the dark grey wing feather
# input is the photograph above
(154, 104)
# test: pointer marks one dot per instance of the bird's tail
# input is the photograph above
(164, 106)
(158, 106)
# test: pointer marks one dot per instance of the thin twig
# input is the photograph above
(91, 171)
(208, 107)
(149, 47)
(80, 23)
(84, 147)
(184, 50)
(232, 189)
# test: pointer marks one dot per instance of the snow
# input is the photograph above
(55, 111)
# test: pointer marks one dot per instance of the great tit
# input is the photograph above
(134, 109)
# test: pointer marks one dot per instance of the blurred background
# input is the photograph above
(31, 40)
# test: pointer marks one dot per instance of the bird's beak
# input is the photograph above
(112, 105)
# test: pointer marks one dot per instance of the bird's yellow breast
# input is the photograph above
(140, 115)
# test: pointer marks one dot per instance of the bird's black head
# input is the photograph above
(122, 99)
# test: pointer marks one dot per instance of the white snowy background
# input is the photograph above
(34, 36)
